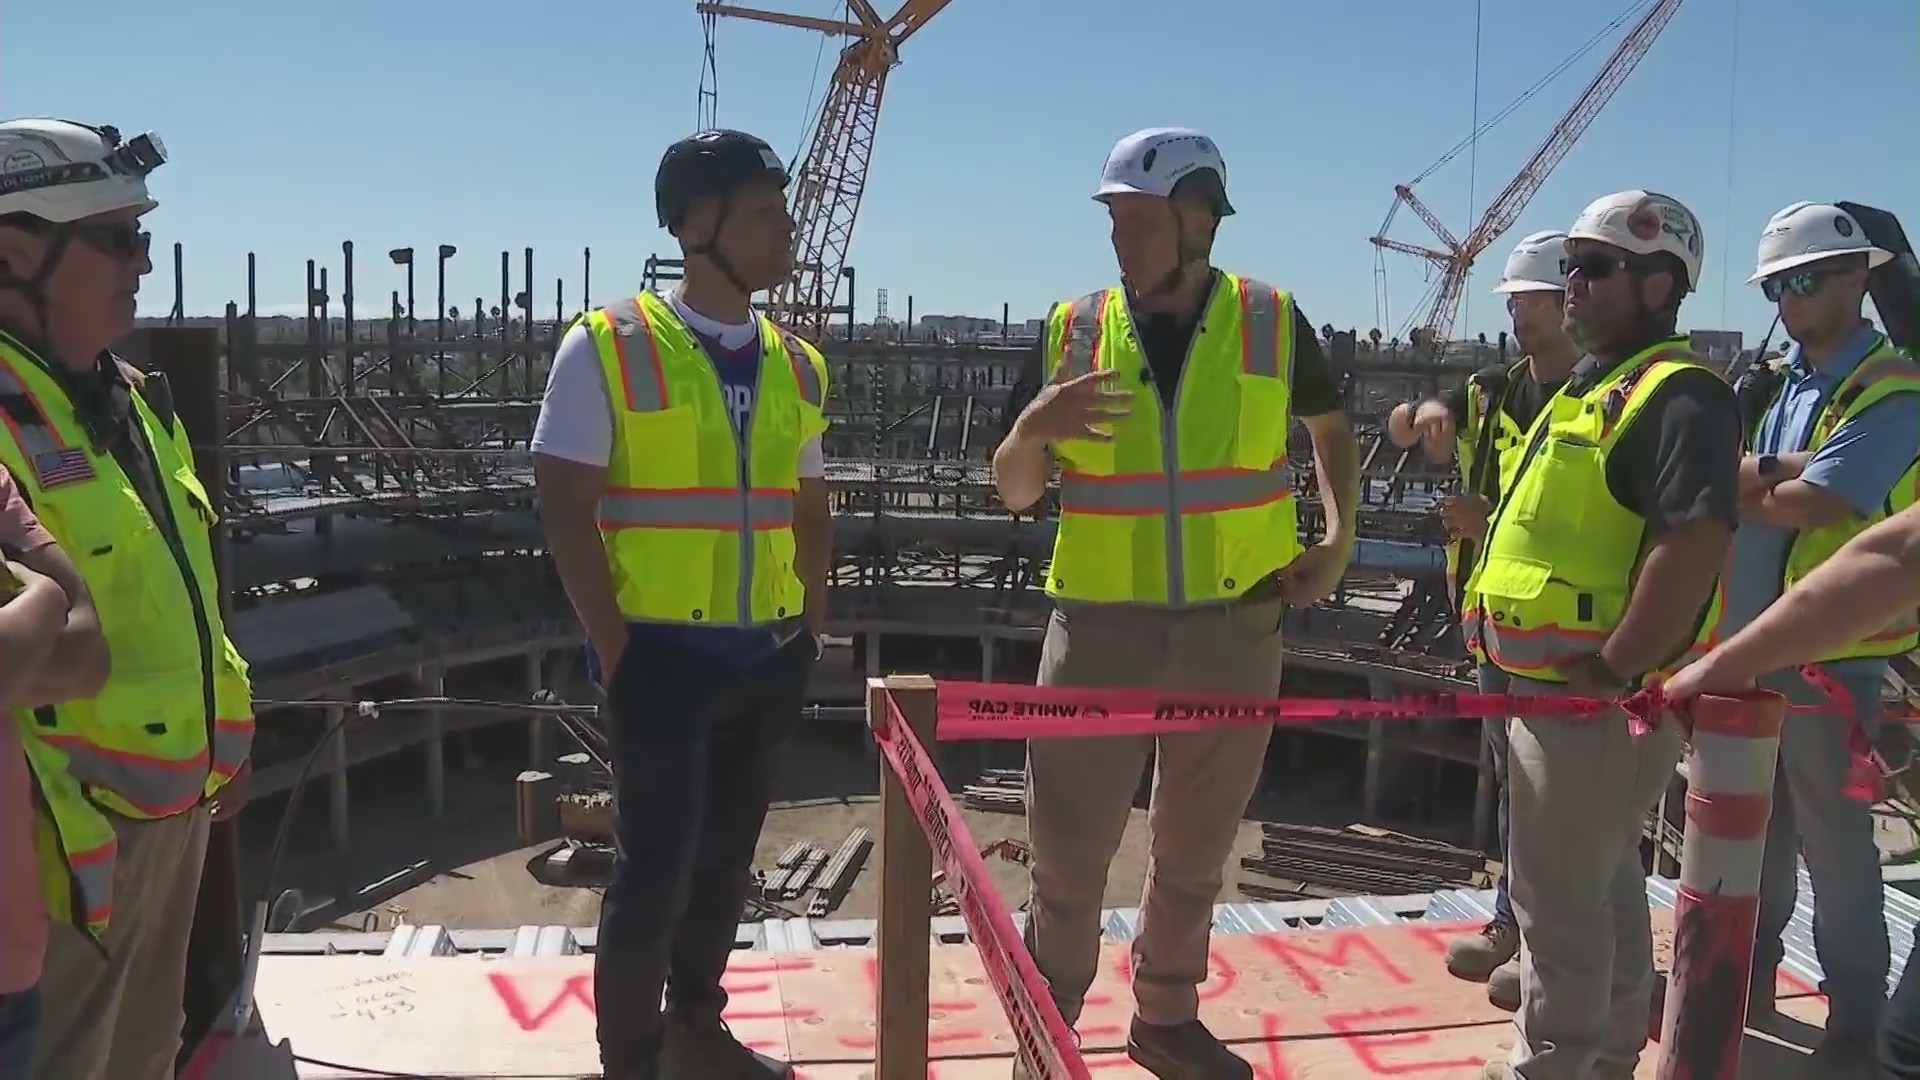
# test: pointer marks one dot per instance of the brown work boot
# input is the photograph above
(1183, 1052)
(1475, 958)
(703, 1049)
(1503, 986)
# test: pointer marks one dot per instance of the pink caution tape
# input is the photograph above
(1046, 1042)
(975, 710)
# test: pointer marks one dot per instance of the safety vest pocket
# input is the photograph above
(1261, 436)
(1511, 577)
(664, 440)
(1565, 469)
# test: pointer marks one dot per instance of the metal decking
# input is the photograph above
(1118, 924)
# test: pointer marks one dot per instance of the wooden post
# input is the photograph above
(189, 356)
(905, 937)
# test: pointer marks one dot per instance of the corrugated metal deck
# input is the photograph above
(803, 934)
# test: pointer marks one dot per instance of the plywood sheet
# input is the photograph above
(1326, 1003)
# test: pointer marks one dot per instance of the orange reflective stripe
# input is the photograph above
(156, 787)
(645, 385)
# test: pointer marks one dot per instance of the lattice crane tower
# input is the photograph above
(1456, 262)
(827, 191)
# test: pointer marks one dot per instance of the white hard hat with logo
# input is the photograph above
(60, 171)
(1151, 161)
(1644, 223)
(1808, 232)
(1535, 265)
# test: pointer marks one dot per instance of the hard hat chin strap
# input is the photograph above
(710, 248)
(33, 289)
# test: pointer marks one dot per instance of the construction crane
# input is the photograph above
(827, 191)
(1455, 263)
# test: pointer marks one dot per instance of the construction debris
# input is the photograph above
(1001, 791)
(1014, 851)
(1309, 861)
(840, 873)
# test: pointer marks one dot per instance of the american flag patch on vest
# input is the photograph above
(67, 465)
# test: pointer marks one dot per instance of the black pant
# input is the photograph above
(1900, 1033)
(695, 744)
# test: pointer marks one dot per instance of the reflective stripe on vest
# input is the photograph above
(1884, 371)
(1202, 489)
(1556, 576)
(678, 496)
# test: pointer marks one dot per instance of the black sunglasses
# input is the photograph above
(1597, 265)
(120, 240)
(1797, 282)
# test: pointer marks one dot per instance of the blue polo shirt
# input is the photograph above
(1860, 463)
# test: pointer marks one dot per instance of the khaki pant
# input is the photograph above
(1581, 793)
(119, 1016)
(1080, 793)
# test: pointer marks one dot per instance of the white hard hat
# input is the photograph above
(1808, 232)
(1535, 265)
(1150, 162)
(1644, 223)
(60, 171)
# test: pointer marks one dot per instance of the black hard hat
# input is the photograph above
(711, 163)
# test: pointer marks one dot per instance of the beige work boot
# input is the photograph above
(1503, 986)
(1475, 958)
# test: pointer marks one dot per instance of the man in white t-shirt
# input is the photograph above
(683, 496)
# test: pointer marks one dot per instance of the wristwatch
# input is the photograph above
(1768, 464)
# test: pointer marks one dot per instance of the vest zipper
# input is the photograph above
(202, 625)
(742, 442)
(1176, 544)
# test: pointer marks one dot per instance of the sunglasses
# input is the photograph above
(121, 240)
(1596, 265)
(1799, 282)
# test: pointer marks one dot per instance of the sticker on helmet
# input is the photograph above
(1147, 159)
(770, 159)
(1644, 222)
(1842, 225)
(21, 160)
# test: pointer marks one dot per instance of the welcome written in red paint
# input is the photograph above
(1311, 962)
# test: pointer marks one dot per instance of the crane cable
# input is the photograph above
(1473, 170)
(1733, 116)
(813, 87)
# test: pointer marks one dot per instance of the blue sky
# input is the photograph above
(418, 122)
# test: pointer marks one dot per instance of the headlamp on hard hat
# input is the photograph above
(134, 158)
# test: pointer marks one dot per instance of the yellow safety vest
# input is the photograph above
(175, 719)
(1561, 554)
(1486, 415)
(1884, 371)
(1189, 506)
(694, 534)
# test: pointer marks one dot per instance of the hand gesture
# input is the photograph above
(1080, 407)
(1433, 422)
(1703, 677)
(1313, 576)
(1464, 516)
